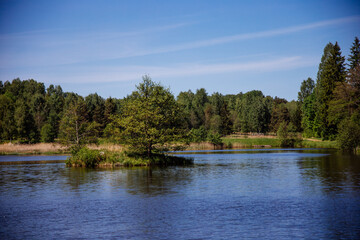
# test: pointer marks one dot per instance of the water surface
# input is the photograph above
(235, 194)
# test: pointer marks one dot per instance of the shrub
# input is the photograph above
(287, 137)
(349, 135)
(86, 158)
(215, 139)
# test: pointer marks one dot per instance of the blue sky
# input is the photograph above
(222, 46)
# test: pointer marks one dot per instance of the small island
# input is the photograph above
(150, 119)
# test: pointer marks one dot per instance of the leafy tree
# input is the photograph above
(306, 89)
(38, 110)
(95, 106)
(185, 100)
(110, 109)
(216, 124)
(279, 114)
(198, 135)
(25, 124)
(74, 126)
(253, 112)
(294, 109)
(208, 114)
(308, 116)
(151, 117)
(354, 57)
(286, 134)
(7, 121)
(46, 133)
(55, 101)
(198, 104)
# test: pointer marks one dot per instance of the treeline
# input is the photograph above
(327, 108)
(30, 113)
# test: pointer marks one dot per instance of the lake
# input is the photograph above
(229, 194)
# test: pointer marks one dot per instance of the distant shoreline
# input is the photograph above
(228, 143)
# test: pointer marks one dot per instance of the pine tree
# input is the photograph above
(354, 57)
(331, 71)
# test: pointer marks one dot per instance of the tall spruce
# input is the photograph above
(354, 57)
(331, 71)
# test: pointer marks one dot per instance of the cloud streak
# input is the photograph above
(248, 36)
(134, 72)
(46, 48)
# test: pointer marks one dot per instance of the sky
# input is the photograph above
(223, 46)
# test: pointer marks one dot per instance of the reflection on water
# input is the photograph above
(292, 193)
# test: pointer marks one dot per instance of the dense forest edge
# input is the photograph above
(151, 120)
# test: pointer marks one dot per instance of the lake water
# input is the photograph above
(265, 194)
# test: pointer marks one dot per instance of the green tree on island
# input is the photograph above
(150, 118)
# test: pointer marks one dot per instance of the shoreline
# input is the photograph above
(228, 143)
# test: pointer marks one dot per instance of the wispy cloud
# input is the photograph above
(254, 35)
(134, 72)
(49, 48)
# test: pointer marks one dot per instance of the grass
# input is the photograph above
(39, 148)
(275, 142)
(92, 158)
(318, 144)
(251, 142)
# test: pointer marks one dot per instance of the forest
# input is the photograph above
(326, 108)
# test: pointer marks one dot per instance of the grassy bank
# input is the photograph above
(318, 144)
(274, 142)
(92, 158)
(228, 142)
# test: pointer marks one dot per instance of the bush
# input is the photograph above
(86, 158)
(198, 135)
(349, 136)
(287, 137)
(215, 139)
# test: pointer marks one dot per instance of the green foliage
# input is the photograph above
(306, 89)
(354, 57)
(331, 71)
(46, 133)
(215, 139)
(84, 157)
(7, 121)
(349, 135)
(254, 112)
(74, 126)
(287, 137)
(151, 117)
(198, 135)
(95, 106)
(279, 114)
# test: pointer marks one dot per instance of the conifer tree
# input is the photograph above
(354, 57)
(331, 71)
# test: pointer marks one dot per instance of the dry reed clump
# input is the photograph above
(9, 148)
(251, 135)
(202, 146)
(108, 146)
